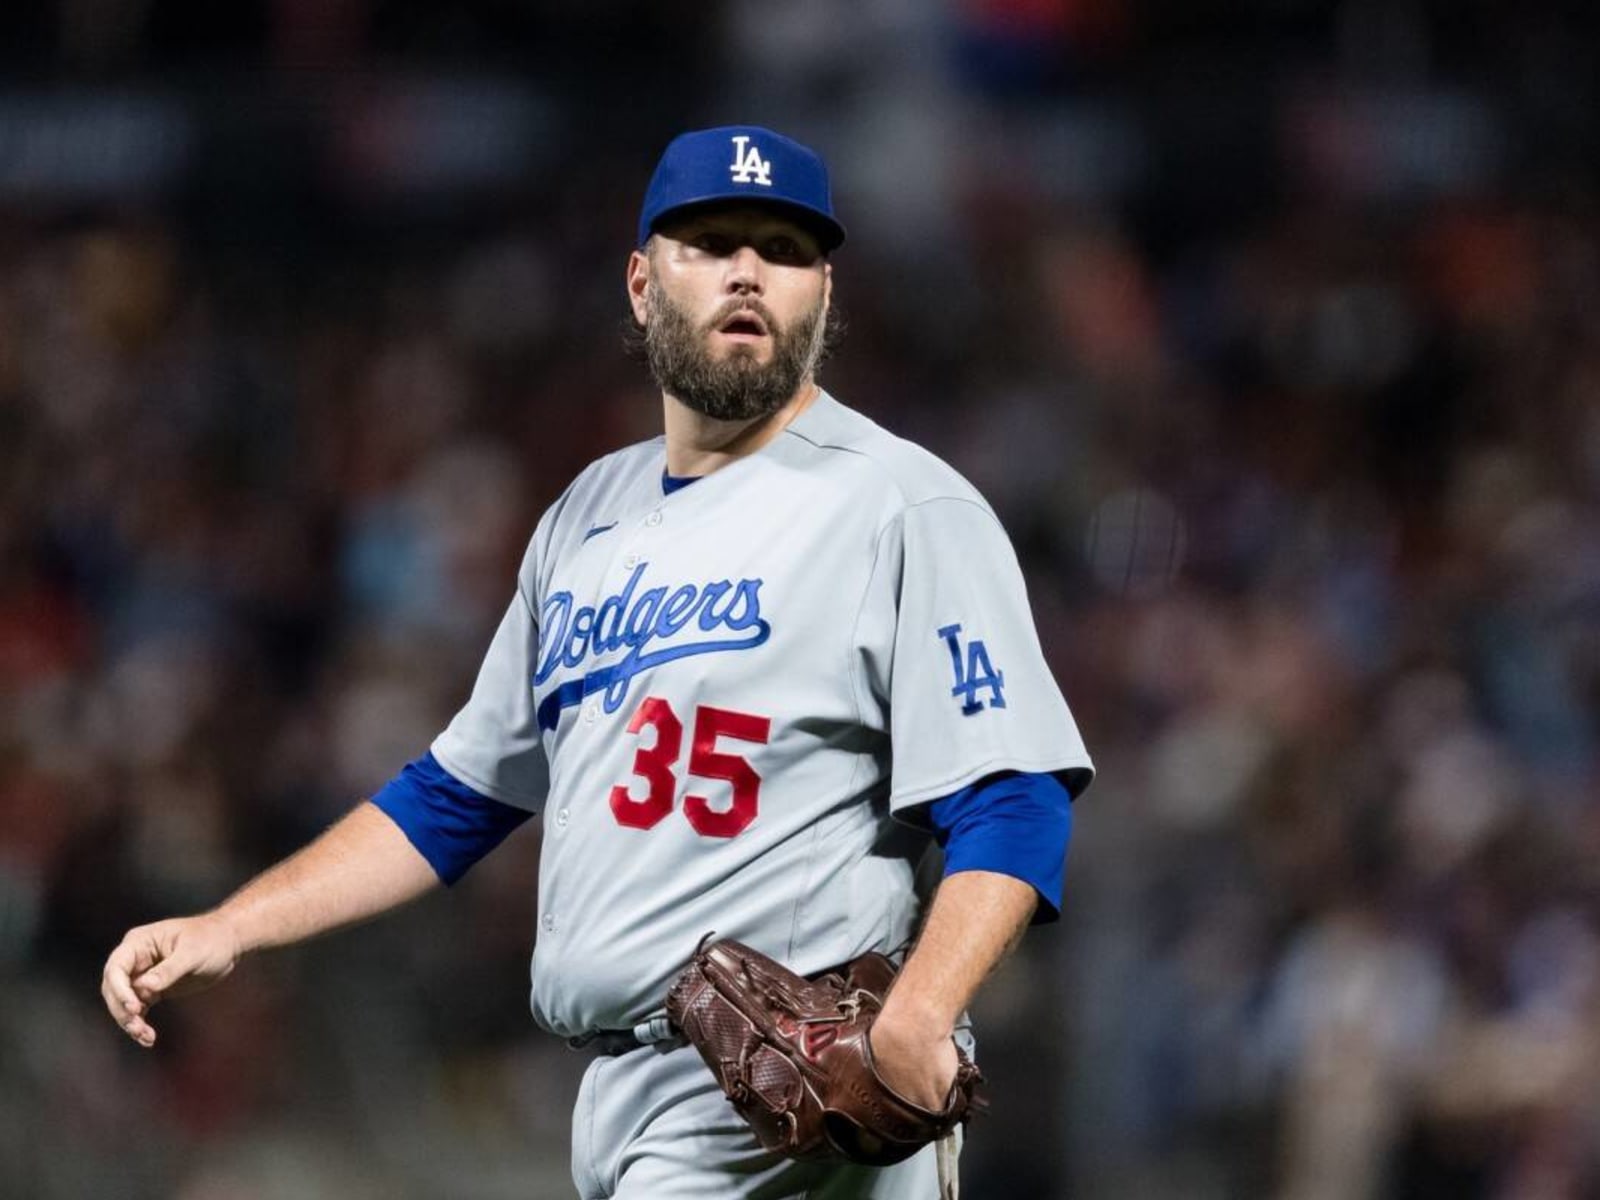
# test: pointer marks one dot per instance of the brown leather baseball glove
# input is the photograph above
(792, 1055)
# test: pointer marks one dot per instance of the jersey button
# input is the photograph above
(548, 923)
(562, 818)
(654, 518)
(591, 714)
(630, 562)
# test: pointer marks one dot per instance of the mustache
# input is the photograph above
(744, 304)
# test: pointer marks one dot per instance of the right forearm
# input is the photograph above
(361, 867)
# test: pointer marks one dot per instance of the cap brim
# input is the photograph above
(828, 232)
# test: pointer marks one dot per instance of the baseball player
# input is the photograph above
(749, 670)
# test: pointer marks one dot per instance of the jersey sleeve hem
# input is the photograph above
(1079, 767)
(494, 792)
(450, 824)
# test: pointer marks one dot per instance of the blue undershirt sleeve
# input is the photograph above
(1016, 824)
(451, 825)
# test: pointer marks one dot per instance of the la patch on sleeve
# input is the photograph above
(974, 673)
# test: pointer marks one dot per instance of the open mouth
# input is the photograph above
(744, 324)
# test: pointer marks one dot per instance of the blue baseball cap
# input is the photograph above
(742, 162)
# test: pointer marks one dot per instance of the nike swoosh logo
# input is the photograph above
(599, 529)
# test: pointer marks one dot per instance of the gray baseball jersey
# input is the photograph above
(720, 697)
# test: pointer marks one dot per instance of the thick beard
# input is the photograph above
(738, 387)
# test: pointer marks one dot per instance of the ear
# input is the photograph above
(638, 280)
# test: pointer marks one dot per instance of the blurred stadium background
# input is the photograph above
(1271, 327)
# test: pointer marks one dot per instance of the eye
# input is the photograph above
(718, 244)
(782, 248)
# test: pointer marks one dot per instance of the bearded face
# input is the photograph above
(730, 383)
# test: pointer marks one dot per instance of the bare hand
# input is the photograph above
(917, 1066)
(169, 958)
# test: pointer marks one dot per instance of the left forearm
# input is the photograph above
(976, 918)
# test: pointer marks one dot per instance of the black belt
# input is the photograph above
(612, 1042)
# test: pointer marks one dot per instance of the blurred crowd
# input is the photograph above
(1307, 493)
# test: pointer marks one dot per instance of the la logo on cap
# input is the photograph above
(747, 165)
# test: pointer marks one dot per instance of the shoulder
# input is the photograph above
(906, 474)
(599, 488)
(607, 480)
(618, 470)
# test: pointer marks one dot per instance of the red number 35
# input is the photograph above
(654, 764)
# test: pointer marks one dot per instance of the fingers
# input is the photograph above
(119, 991)
(116, 987)
(150, 985)
(149, 960)
(169, 958)
(140, 1031)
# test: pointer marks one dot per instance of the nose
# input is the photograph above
(744, 272)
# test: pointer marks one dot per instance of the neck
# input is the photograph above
(698, 444)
